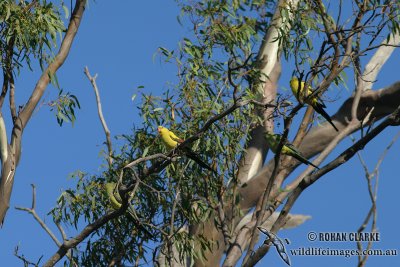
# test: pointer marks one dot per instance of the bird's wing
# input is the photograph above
(174, 137)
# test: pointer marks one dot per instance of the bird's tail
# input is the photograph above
(319, 108)
(193, 156)
(303, 160)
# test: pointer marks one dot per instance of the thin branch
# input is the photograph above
(4, 89)
(32, 211)
(262, 204)
(221, 213)
(351, 127)
(63, 234)
(170, 242)
(100, 112)
(151, 157)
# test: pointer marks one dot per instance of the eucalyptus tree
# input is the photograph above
(224, 103)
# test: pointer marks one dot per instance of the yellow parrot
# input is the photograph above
(273, 141)
(171, 140)
(314, 101)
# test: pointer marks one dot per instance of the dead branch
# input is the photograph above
(100, 112)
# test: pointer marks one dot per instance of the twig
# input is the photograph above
(24, 260)
(71, 243)
(64, 236)
(100, 112)
(154, 156)
(221, 214)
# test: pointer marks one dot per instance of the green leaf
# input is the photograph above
(71, 194)
(146, 150)
(66, 11)
(158, 109)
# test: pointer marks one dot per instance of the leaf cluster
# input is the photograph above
(29, 28)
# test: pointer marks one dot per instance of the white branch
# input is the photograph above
(3, 140)
(100, 111)
(380, 57)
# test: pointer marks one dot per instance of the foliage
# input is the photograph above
(64, 107)
(29, 33)
(29, 28)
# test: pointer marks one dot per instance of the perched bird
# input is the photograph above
(317, 104)
(116, 203)
(171, 140)
(273, 141)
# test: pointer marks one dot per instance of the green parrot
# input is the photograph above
(287, 149)
(116, 203)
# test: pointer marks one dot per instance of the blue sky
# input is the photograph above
(118, 41)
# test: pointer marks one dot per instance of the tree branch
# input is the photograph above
(100, 112)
